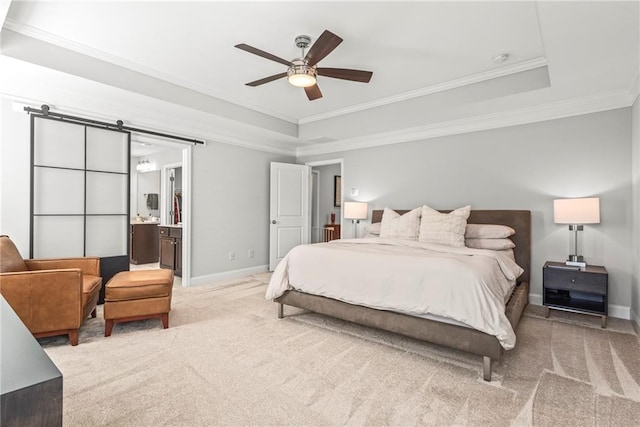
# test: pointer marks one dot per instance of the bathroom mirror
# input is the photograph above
(148, 194)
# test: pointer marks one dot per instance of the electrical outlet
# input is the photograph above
(250, 253)
(232, 256)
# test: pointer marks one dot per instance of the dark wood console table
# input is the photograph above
(31, 384)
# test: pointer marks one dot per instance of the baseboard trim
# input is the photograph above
(211, 279)
(620, 311)
(617, 311)
(635, 321)
(535, 299)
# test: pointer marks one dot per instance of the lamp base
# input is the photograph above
(355, 227)
(576, 261)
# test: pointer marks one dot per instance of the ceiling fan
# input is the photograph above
(303, 71)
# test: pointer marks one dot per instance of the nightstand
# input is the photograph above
(331, 232)
(578, 290)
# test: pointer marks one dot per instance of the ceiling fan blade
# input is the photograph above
(322, 47)
(266, 80)
(346, 74)
(313, 92)
(262, 53)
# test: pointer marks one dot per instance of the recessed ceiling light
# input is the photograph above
(501, 58)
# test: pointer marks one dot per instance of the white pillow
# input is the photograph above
(396, 226)
(373, 228)
(445, 229)
(494, 244)
(488, 231)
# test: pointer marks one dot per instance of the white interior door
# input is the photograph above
(290, 223)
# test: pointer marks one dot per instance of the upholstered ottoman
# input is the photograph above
(137, 295)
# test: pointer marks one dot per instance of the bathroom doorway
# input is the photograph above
(161, 199)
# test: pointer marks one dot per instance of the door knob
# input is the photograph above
(273, 221)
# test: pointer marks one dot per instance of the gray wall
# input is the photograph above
(230, 207)
(520, 167)
(14, 175)
(635, 289)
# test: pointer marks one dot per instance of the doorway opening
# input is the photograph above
(160, 230)
(326, 199)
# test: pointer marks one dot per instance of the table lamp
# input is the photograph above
(355, 211)
(576, 213)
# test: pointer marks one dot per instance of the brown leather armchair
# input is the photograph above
(51, 296)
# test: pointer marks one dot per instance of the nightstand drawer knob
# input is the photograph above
(573, 280)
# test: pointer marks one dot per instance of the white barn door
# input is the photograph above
(290, 223)
(80, 193)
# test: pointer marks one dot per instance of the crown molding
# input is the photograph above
(179, 122)
(199, 128)
(550, 111)
(184, 124)
(65, 43)
(82, 97)
(429, 90)
(47, 37)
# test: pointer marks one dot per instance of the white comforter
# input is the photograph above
(467, 285)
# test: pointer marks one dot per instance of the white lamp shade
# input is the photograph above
(576, 211)
(355, 210)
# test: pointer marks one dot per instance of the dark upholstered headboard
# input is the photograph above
(518, 220)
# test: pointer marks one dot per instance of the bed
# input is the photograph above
(433, 329)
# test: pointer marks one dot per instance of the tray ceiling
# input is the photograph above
(432, 61)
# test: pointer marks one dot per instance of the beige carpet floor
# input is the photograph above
(227, 360)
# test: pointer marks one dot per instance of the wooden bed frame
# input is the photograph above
(446, 334)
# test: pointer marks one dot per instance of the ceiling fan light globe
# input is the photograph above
(302, 80)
